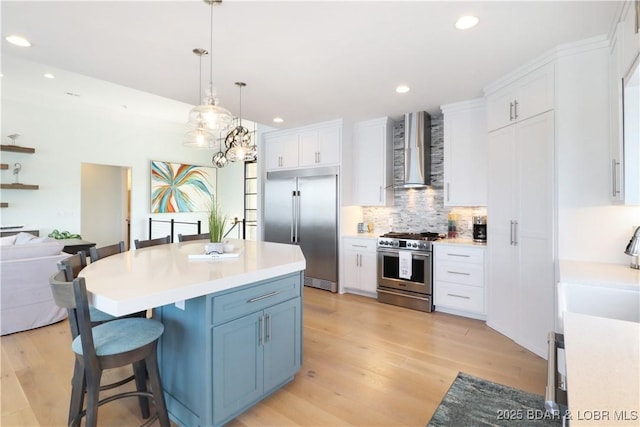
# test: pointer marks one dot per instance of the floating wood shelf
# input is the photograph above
(4, 205)
(19, 187)
(17, 149)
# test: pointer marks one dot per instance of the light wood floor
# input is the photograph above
(365, 364)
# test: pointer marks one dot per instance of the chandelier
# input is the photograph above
(237, 142)
(208, 116)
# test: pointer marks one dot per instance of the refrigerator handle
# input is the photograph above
(297, 218)
(294, 220)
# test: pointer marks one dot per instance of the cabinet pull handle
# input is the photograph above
(448, 193)
(515, 110)
(269, 295)
(458, 272)
(358, 246)
(267, 322)
(459, 296)
(511, 233)
(460, 255)
(515, 233)
(614, 176)
(260, 331)
(381, 193)
(511, 111)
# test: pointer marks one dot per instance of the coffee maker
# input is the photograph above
(479, 228)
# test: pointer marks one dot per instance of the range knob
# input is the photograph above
(415, 245)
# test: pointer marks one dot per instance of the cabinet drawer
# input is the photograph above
(360, 245)
(460, 272)
(459, 297)
(239, 303)
(460, 254)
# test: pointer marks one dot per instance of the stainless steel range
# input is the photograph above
(405, 269)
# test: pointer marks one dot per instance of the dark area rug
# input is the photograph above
(472, 402)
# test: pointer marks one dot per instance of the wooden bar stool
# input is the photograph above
(120, 342)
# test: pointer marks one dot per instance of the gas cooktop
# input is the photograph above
(409, 241)
(414, 236)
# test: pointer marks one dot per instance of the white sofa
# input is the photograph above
(26, 263)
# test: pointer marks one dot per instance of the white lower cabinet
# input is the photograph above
(459, 278)
(359, 265)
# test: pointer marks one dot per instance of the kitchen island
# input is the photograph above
(233, 326)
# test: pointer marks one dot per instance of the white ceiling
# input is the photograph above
(304, 61)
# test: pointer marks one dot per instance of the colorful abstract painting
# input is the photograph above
(181, 188)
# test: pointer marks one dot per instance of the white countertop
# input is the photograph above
(460, 241)
(373, 235)
(159, 275)
(599, 274)
(603, 370)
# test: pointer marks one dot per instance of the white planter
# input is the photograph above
(214, 247)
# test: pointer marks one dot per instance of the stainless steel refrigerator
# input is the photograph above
(301, 208)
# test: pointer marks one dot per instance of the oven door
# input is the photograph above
(389, 272)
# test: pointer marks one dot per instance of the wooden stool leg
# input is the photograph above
(93, 390)
(78, 387)
(156, 388)
(140, 372)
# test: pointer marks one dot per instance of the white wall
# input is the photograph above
(590, 228)
(67, 131)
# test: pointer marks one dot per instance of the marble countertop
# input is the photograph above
(159, 275)
(603, 370)
(599, 274)
(373, 235)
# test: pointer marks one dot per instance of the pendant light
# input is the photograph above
(213, 117)
(200, 136)
(238, 141)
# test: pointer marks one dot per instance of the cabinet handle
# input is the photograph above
(515, 233)
(511, 233)
(614, 177)
(448, 192)
(269, 295)
(460, 255)
(459, 296)
(515, 110)
(381, 192)
(511, 111)
(358, 246)
(267, 327)
(317, 157)
(260, 331)
(359, 260)
(279, 161)
(458, 272)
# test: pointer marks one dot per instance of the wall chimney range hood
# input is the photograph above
(417, 150)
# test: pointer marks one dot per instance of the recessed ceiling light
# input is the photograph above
(403, 89)
(278, 120)
(18, 41)
(49, 76)
(466, 22)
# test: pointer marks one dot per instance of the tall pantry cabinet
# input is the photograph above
(520, 209)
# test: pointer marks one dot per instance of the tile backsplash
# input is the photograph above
(421, 209)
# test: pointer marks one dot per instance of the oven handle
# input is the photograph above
(384, 291)
(423, 255)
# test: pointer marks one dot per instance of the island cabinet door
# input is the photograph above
(281, 343)
(237, 365)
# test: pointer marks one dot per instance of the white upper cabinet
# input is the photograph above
(624, 93)
(465, 153)
(528, 96)
(308, 146)
(319, 147)
(281, 151)
(373, 163)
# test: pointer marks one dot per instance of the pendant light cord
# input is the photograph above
(211, 58)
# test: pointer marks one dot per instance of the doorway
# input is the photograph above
(105, 209)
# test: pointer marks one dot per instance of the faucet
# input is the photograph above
(633, 248)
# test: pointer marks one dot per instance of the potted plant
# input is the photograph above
(217, 223)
